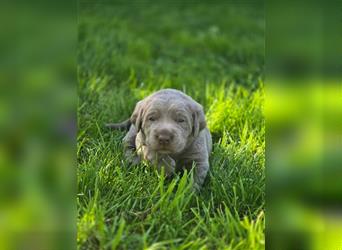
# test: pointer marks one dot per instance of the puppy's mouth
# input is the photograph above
(164, 149)
(169, 149)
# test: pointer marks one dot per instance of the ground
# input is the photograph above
(215, 53)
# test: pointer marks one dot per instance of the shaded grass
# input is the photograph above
(215, 54)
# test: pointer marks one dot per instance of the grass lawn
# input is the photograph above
(214, 53)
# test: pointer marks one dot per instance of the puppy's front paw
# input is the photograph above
(196, 188)
(132, 158)
(161, 161)
(168, 164)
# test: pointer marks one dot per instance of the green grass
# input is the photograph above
(213, 52)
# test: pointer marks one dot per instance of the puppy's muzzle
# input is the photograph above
(164, 137)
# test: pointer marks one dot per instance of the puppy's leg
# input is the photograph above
(160, 161)
(130, 146)
(166, 162)
(200, 172)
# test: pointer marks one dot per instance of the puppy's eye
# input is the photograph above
(151, 119)
(180, 120)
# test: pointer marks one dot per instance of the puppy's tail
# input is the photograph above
(121, 125)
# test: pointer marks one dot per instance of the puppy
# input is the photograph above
(168, 129)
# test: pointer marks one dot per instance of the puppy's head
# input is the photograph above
(169, 121)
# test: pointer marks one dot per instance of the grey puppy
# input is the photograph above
(168, 129)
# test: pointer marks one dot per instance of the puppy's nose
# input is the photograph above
(164, 137)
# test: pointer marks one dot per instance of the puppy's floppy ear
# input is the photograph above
(198, 119)
(137, 115)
